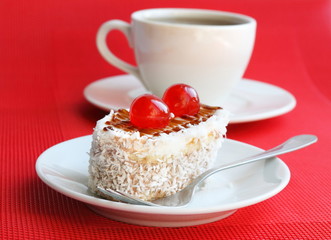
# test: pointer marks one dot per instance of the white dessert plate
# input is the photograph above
(64, 167)
(250, 101)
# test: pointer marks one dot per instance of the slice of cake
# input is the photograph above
(154, 163)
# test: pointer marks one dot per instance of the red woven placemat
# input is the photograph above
(48, 56)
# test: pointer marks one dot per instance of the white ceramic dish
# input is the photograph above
(250, 101)
(64, 167)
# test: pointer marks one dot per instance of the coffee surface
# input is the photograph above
(219, 21)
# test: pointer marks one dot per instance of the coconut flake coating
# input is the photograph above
(153, 165)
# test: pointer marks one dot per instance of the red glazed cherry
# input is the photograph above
(182, 100)
(149, 111)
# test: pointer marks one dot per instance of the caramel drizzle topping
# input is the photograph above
(121, 120)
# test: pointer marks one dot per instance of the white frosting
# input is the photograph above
(150, 167)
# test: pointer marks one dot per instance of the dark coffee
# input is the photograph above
(213, 21)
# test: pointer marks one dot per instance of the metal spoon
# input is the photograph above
(183, 197)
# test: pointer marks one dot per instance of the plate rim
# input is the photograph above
(292, 102)
(111, 205)
(242, 119)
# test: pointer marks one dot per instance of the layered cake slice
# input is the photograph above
(152, 163)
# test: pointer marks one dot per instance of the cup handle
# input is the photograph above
(103, 31)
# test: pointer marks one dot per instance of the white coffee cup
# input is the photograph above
(207, 49)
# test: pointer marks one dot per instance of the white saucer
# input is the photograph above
(251, 100)
(64, 167)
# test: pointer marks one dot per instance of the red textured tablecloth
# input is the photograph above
(48, 56)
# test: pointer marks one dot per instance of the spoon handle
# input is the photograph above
(290, 145)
